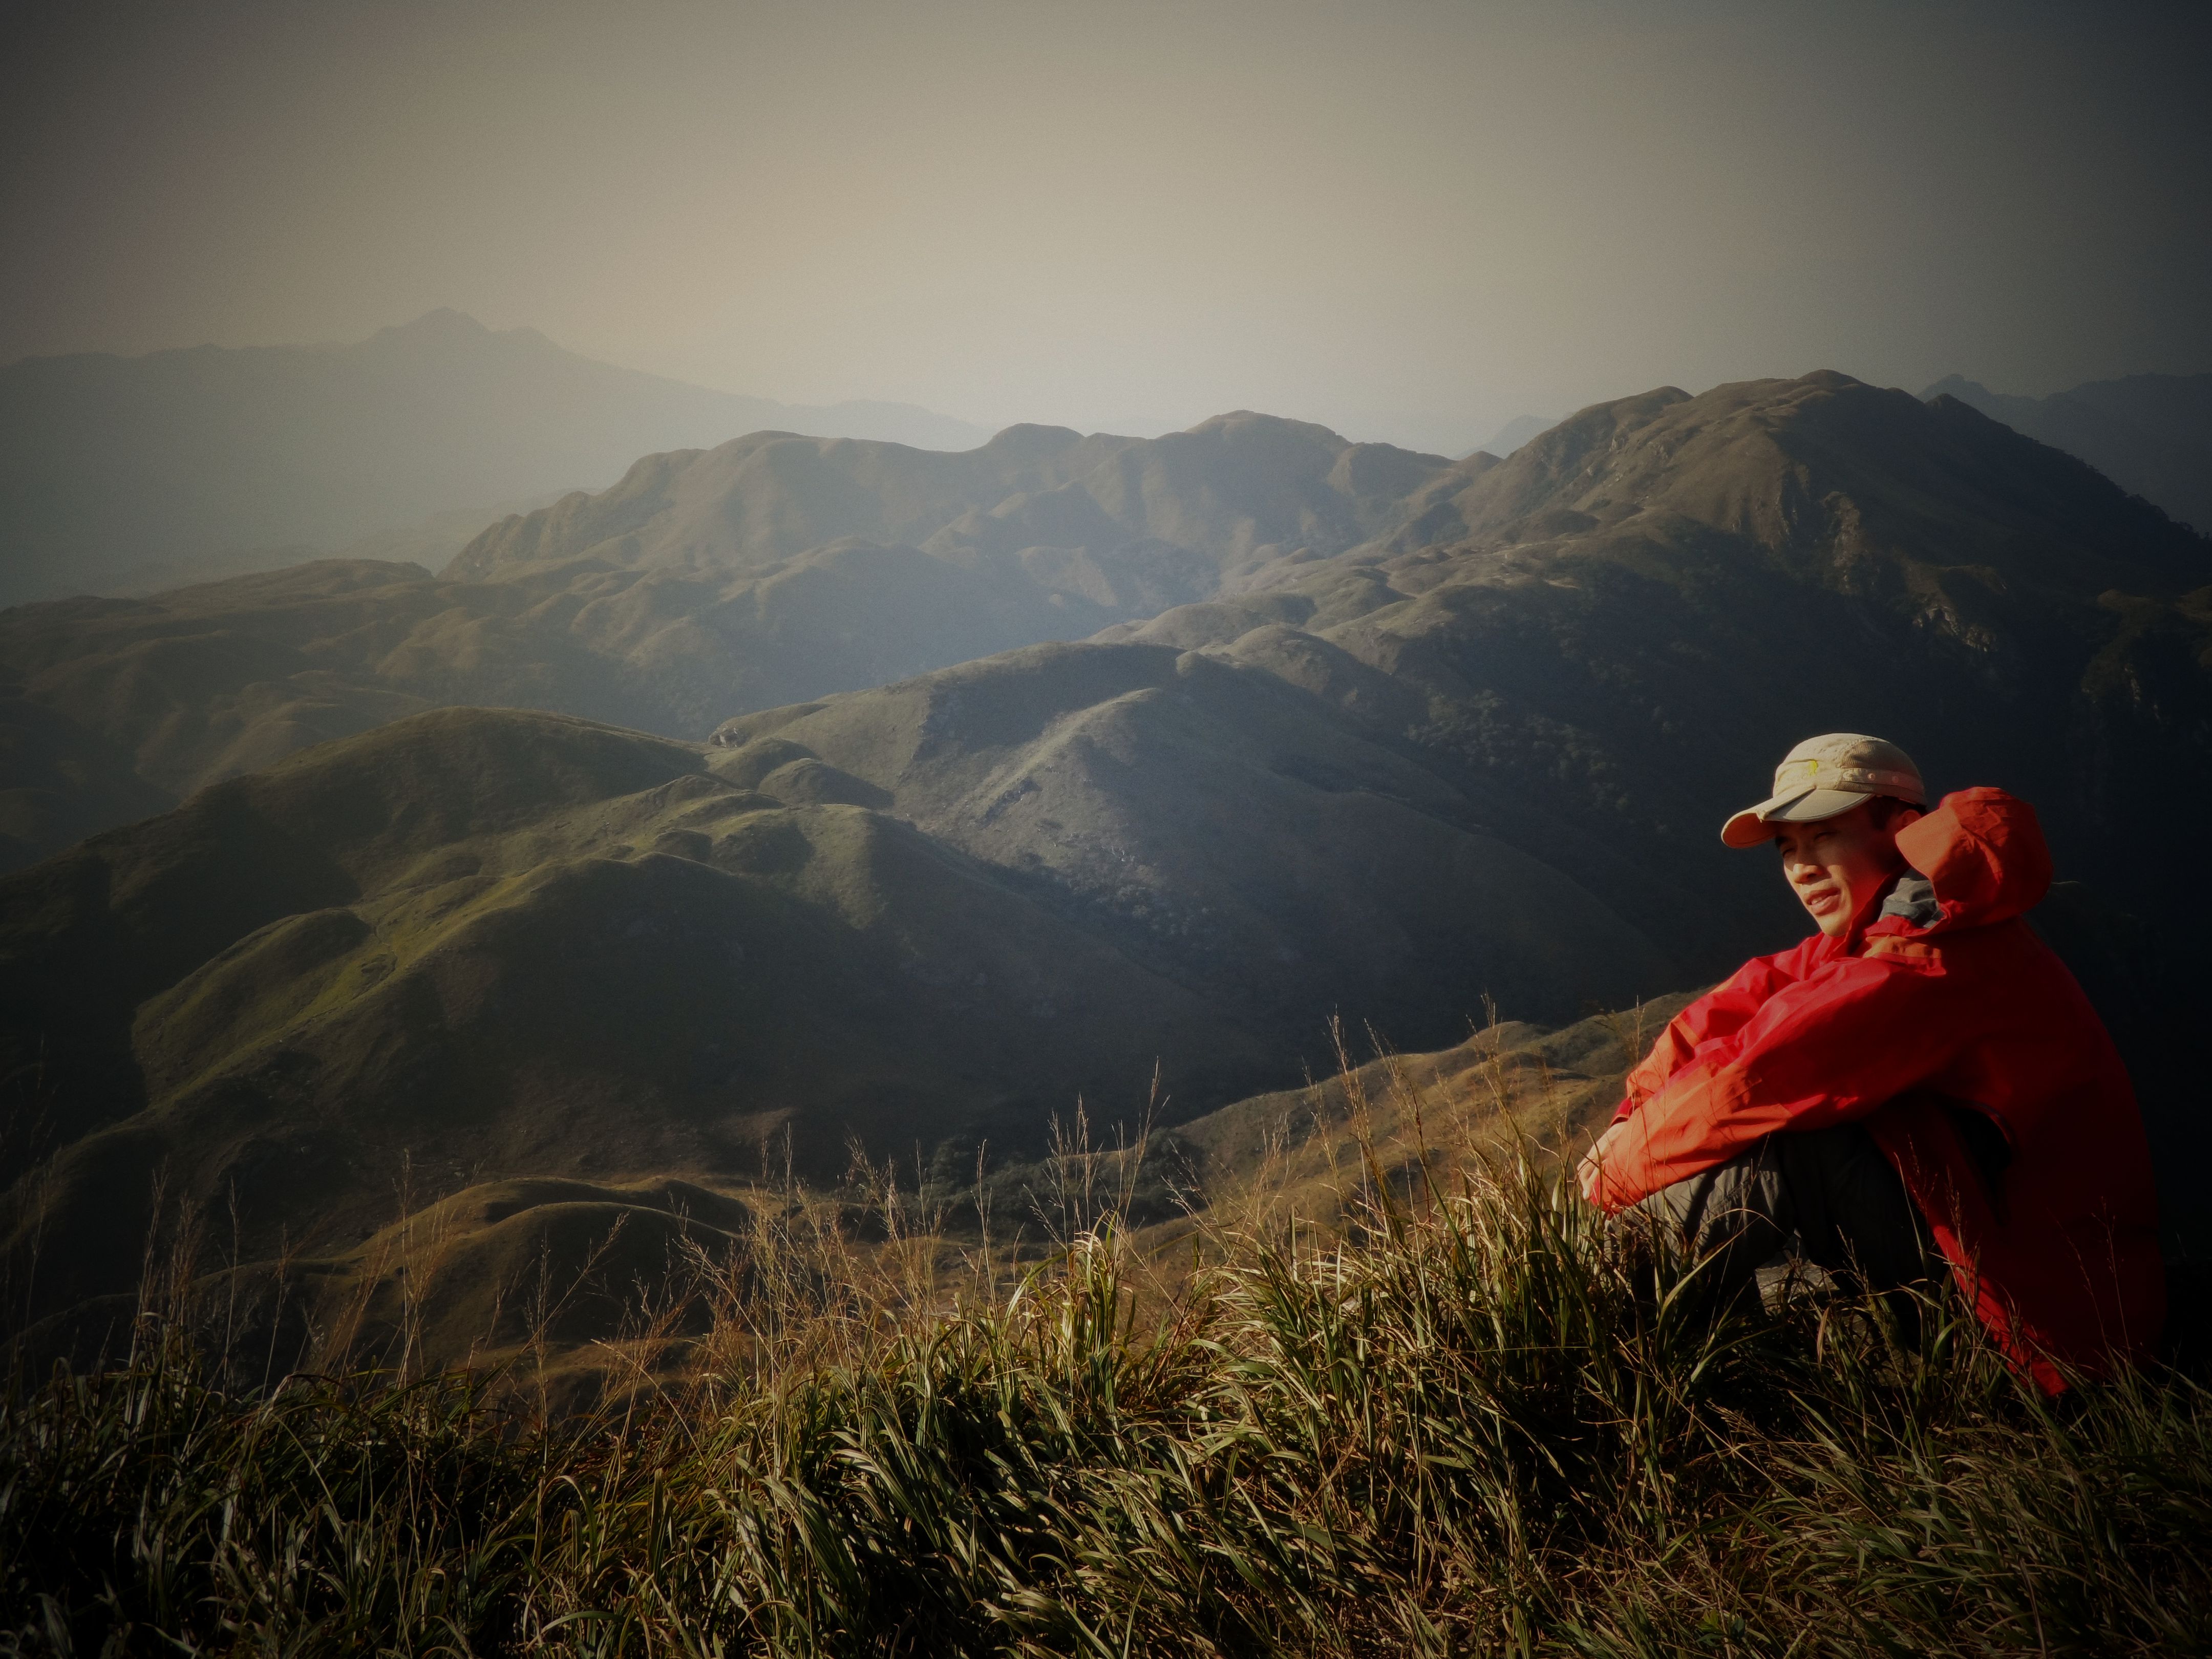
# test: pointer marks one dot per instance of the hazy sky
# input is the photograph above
(1396, 218)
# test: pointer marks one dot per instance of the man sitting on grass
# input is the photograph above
(1922, 1070)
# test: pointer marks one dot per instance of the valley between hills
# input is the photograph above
(799, 792)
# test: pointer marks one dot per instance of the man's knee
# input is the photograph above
(1842, 1154)
(1830, 1190)
(1719, 1206)
(1850, 1209)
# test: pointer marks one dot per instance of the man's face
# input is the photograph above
(1836, 866)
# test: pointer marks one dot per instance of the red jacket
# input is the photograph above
(1896, 1026)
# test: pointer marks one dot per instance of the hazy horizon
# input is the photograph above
(1404, 223)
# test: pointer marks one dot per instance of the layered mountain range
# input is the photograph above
(1188, 745)
(2151, 434)
(772, 569)
(115, 472)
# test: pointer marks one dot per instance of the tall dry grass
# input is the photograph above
(1456, 1414)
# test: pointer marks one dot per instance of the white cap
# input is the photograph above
(1823, 776)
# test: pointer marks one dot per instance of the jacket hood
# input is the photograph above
(1985, 853)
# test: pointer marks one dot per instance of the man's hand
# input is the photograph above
(1594, 1160)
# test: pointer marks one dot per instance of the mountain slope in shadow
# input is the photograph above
(475, 943)
(2151, 434)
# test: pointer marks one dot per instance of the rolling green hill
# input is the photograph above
(474, 943)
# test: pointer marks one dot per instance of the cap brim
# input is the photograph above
(1757, 824)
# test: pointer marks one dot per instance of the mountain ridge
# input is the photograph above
(775, 494)
(2150, 432)
(109, 464)
(704, 583)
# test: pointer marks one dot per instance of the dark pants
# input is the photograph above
(1825, 1196)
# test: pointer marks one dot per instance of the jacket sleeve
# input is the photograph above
(1720, 1013)
(1820, 1051)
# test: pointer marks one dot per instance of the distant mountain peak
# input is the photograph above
(1030, 438)
(1514, 433)
(1241, 421)
(1955, 385)
(442, 323)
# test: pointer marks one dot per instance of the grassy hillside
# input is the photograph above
(510, 944)
(1330, 1371)
(472, 945)
(1469, 1421)
(143, 701)
(436, 1266)
(1235, 831)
